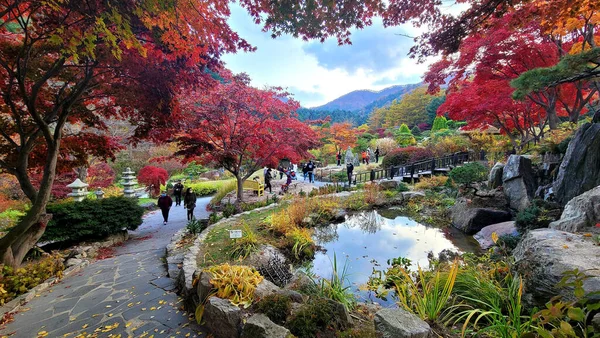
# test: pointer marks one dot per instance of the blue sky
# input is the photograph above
(317, 73)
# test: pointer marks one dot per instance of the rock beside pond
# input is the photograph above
(265, 254)
(409, 195)
(341, 314)
(260, 326)
(398, 323)
(544, 255)
(495, 176)
(388, 184)
(582, 213)
(484, 236)
(264, 289)
(518, 181)
(470, 215)
(579, 170)
(222, 318)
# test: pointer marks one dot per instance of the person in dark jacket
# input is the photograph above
(164, 203)
(349, 170)
(310, 167)
(268, 179)
(377, 155)
(177, 191)
(189, 202)
(339, 158)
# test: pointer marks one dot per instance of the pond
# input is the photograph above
(368, 239)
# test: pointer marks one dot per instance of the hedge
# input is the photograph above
(402, 156)
(92, 219)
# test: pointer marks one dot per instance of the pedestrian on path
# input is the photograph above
(377, 155)
(310, 167)
(189, 202)
(177, 190)
(339, 158)
(349, 170)
(164, 203)
(268, 179)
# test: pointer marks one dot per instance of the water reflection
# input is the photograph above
(368, 239)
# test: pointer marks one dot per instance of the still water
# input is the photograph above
(368, 239)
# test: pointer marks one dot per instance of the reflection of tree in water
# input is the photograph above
(369, 222)
(326, 234)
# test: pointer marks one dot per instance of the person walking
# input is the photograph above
(310, 167)
(377, 155)
(305, 170)
(164, 203)
(339, 158)
(268, 179)
(364, 157)
(349, 170)
(177, 190)
(189, 202)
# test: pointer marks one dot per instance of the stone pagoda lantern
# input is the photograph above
(129, 183)
(99, 193)
(79, 190)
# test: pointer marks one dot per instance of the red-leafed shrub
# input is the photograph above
(153, 177)
(406, 155)
(100, 175)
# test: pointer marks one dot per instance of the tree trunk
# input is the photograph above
(553, 120)
(20, 239)
(240, 188)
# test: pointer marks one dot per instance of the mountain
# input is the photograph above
(356, 106)
(359, 99)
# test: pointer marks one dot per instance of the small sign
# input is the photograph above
(235, 233)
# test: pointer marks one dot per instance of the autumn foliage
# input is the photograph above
(242, 128)
(153, 177)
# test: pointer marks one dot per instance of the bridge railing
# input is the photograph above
(414, 169)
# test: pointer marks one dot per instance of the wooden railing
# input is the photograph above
(411, 170)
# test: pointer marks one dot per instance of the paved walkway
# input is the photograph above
(127, 295)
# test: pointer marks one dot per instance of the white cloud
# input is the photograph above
(312, 71)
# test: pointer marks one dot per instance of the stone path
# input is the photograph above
(127, 295)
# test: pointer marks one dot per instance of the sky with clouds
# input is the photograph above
(317, 73)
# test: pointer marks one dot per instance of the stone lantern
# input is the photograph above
(99, 193)
(129, 183)
(79, 190)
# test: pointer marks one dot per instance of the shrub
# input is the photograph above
(439, 123)
(16, 282)
(404, 137)
(402, 187)
(203, 188)
(468, 174)
(235, 282)
(313, 317)
(538, 215)
(401, 156)
(277, 307)
(244, 246)
(446, 142)
(385, 145)
(196, 226)
(301, 242)
(229, 210)
(90, 219)
(431, 183)
(153, 177)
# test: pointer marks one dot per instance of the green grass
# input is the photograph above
(214, 249)
(146, 200)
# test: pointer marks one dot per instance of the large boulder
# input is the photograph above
(222, 318)
(580, 168)
(264, 289)
(544, 255)
(484, 236)
(582, 213)
(518, 181)
(470, 215)
(260, 326)
(204, 288)
(495, 176)
(399, 323)
(388, 184)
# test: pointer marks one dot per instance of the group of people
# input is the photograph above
(165, 202)
(289, 173)
(308, 170)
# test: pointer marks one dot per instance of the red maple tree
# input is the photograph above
(153, 177)
(242, 128)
